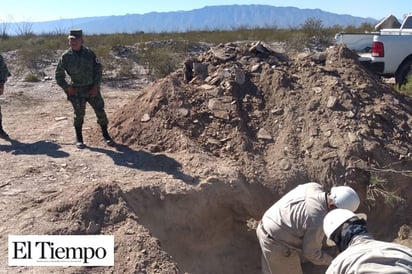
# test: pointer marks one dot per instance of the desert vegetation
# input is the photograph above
(163, 53)
(199, 161)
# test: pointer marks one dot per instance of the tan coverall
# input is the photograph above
(294, 231)
(366, 255)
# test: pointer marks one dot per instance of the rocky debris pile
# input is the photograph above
(281, 118)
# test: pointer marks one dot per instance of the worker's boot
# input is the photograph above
(79, 138)
(3, 134)
(106, 135)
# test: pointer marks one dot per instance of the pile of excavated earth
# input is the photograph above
(215, 143)
(280, 120)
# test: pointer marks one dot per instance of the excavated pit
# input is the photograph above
(208, 230)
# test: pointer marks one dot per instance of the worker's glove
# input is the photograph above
(71, 91)
(93, 91)
(1, 88)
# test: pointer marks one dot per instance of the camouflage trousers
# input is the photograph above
(79, 106)
(1, 118)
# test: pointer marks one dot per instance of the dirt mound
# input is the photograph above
(102, 209)
(282, 119)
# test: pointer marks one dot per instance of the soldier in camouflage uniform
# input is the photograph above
(4, 73)
(85, 71)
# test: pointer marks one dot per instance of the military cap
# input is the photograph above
(75, 33)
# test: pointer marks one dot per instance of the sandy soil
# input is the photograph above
(197, 163)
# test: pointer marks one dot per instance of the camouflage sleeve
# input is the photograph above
(4, 71)
(97, 71)
(60, 75)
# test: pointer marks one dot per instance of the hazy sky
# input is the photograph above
(46, 10)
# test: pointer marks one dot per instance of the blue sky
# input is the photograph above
(46, 10)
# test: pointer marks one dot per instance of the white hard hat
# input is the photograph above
(335, 218)
(344, 197)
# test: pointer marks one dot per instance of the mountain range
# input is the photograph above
(226, 17)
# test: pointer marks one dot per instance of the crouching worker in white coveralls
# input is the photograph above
(290, 231)
(360, 253)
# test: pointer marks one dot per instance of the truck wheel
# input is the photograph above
(404, 73)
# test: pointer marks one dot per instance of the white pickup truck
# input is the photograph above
(386, 52)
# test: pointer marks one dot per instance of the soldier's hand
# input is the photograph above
(71, 91)
(93, 91)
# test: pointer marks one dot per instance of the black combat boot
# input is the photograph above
(3, 134)
(106, 135)
(79, 138)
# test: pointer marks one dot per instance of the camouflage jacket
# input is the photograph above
(4, 71)
(82, 66)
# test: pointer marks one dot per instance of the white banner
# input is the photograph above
(61, 250)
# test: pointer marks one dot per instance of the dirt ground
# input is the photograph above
(198, 160)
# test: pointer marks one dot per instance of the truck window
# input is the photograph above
(408, 23)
